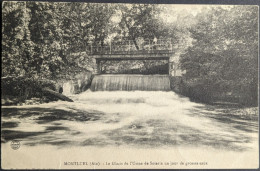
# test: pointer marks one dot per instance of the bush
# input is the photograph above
(209, 91)
(197, 91)
(176, 84)
(24, 87)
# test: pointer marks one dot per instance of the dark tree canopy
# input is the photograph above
(224, 52)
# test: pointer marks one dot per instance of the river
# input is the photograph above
(136, 121)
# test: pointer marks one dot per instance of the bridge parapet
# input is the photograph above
(130, 47)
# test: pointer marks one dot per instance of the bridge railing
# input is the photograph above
(131, 47)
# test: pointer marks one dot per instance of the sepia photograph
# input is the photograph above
(89, 85)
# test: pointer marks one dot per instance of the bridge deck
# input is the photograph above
(143, 56)
(130, 58)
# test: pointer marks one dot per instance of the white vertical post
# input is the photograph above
(171, 44)
(169, 67)
(129, 46)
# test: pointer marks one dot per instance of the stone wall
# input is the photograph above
(174, 66)
(80, 83)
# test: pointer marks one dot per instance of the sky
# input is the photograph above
(172, 10)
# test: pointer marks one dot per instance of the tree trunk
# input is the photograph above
(49, 92)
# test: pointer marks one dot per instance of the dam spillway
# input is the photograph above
(126, 82)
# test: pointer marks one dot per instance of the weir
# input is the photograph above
(126, 82)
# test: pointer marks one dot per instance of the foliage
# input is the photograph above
(142, 22)
(40, 39)
(24, 87)
(224, 54)
(17, 48)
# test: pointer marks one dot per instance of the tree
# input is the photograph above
(142, 21)
(18, 49)
(49, 40)
(224, 52)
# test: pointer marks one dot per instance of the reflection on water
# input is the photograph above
(143, 119)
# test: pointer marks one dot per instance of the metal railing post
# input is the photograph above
(100, 47)
(149, 45)
(110, 44)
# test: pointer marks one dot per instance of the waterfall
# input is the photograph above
(126, 82)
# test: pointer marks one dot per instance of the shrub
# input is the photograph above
(24, 87)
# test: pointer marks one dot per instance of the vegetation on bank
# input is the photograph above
(15, 90)
(222, 63)
(23, 90)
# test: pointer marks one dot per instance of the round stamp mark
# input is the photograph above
(15, 144)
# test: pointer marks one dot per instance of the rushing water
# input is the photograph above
(122, 120)
(135, 118)
(130, 83)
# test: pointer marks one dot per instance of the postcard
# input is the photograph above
(129, 86)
